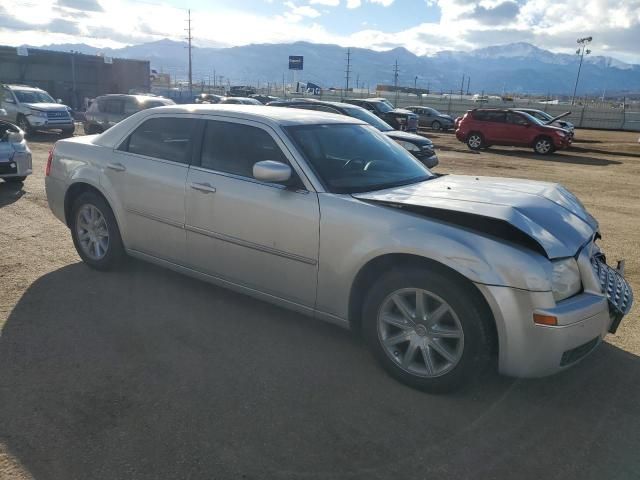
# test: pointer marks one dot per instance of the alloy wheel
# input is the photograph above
(420, 332)
(474, 141)
(92, 231)
(543, 146)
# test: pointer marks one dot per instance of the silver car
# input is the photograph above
(325, 215)
(15, 156)
(33, 109)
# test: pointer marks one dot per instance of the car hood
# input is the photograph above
(409, 137)
(547, 213)
(402, 111)
(446, 117)
(46, 107)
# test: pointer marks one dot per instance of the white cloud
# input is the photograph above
(384, 3)
(614, 25)
(326, 3)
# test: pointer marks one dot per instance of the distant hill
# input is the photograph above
(512, 68)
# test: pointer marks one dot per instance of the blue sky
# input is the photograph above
(422, 26)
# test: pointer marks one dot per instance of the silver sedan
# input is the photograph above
(325, 215)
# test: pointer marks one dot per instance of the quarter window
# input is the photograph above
(165, 138)
(235, 148)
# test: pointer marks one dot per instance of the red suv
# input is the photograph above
(481, 128)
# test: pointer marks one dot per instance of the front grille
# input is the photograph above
(575, 354)
(614, 285)
(58, 115)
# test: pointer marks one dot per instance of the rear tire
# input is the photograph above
(450, 342)
(543, 146)
(475, 141)
(95, 232)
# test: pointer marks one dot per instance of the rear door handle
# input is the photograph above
(118, 167)
(203, 187)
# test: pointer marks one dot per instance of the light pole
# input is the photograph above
(582, 51)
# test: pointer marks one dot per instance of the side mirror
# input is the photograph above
(58, 100)
(3, 112)
(271, 171)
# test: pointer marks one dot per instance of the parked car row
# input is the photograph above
(420, 147)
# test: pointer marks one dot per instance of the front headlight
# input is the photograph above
(560, 134)
(39, 113)
(408, 146)
(565, 279)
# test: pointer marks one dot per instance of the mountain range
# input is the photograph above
(513, 68)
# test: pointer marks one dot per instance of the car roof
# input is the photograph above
(272, 116)
(23, 87)
(139, 98)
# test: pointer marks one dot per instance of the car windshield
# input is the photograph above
(356, 158)
(539, 114)
(33, 96)
(370, 118)
(383, 106)
(533, 119)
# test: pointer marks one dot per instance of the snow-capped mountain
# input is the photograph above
(515, 68)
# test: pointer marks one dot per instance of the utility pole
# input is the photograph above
(357, 81)
(395, 81)
(348, 71)
(582, 50)
(462, 86)
(415, 85)
(468, 82)
(189, 38)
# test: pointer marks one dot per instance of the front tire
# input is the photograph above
(475, 141)
(24, 125)
(543, 146)
(426, 330)
(95, 232)
(436, 125)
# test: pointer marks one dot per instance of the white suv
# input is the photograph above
(34, 109)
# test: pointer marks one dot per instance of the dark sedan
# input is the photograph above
(398, 118)
(432, 118)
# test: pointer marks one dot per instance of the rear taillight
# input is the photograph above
(49, 160)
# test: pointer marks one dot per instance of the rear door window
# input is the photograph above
(166, 138)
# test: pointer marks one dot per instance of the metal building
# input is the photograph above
(73, 77)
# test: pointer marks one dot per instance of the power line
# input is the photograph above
(189, 38)
(348, 71)
(395, 80)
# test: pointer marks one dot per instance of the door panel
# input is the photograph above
(152, 194)
(258, 235)
(148, 174)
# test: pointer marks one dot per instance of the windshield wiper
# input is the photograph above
(401, 183)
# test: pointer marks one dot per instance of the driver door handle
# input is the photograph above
(203, 187)
(118, 167)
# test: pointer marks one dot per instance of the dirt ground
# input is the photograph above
(144, 373)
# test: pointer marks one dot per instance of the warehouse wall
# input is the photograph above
(72, 76)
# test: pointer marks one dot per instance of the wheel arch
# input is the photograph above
(74, 191)
(368, 274)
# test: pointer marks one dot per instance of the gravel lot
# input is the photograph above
(144, 373)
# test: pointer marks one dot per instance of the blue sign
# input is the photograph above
(295, 62)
